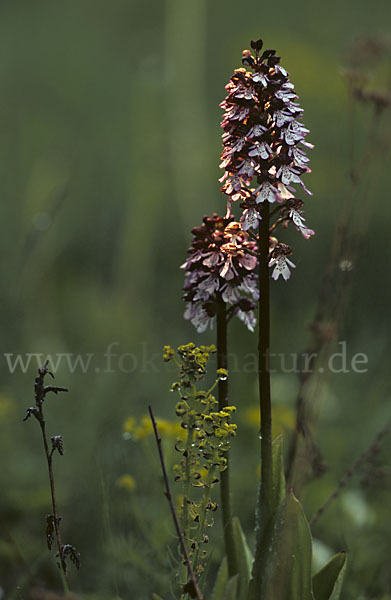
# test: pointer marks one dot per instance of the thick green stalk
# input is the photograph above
(225, 493)
(263, 366)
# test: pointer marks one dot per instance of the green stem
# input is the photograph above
(187, 483)
(185, 514)
(186, 494)
(204, 503)
(225, 494)
(263, 366)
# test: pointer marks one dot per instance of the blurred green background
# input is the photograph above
(110, 144)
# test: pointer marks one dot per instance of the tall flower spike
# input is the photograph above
(222, 265)
(264, 144)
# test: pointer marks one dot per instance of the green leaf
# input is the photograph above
(327, 582)
(268, 526)
(225, 589)
(221, 581)
(156, 597)
(244, 558)
(291, 577)
(231, 588)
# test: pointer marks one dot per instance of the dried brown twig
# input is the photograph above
(52, 521)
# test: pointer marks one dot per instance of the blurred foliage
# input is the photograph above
(110, 143)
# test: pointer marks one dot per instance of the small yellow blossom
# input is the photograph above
(222, 374)
(126, 482)
(129, 425)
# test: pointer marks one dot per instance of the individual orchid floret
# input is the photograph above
(222, 266)
(250, 218)
(280, 261)
(298, 220)
(293, 213)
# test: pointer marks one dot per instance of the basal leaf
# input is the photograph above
(291, 577)
(221, 581)
(327, 582)
(268, 526)
(244, 558)
(231, 588)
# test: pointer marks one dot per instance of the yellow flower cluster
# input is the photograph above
(168, 353)
(218, 423)
(192, 360)
(138, 430)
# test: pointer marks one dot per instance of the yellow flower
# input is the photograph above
(126, 482)
(129, 425)
(170, 428)
(283, 418)
(142, 429)
(168, 353)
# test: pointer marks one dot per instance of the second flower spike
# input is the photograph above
(222, 266)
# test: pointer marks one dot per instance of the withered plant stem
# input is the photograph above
(40, 393)
(56, 518)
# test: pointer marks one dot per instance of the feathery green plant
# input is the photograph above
(208, 434)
